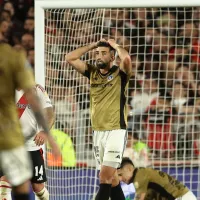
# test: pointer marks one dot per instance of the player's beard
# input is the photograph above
(101, 65)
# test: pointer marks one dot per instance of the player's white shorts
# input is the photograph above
(16, 165)
(109, 147)
(188, 196)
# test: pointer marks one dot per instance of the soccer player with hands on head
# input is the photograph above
(108, 109)
(151, 184)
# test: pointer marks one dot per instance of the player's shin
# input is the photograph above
(104, 192)
(116, 190)
(5, 190)
(117, 193)
(42, 195)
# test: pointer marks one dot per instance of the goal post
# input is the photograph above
(163, 92)
(41, 5)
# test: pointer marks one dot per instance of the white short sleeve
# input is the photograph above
(43, 97)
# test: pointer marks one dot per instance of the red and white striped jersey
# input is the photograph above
(27, 119)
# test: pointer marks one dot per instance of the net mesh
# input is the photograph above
(163, 95)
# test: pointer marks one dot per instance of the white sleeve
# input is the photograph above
(43, 97)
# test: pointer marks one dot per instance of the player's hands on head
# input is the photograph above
(113, 43)
(40, 138)
(101, 40)
(110, 41)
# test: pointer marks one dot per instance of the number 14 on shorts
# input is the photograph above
(39, 172)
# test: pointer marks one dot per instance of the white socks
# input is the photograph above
(5, 190)
(42, 195)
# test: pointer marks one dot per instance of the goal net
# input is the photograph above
(164, 91)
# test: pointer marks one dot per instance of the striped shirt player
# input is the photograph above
(27, 119)
(31, 129)
(108, 109)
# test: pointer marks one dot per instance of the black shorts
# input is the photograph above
(39, 173)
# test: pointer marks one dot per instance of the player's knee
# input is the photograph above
(115, 180)
(37, 187)
(105, 179)
(106, 175)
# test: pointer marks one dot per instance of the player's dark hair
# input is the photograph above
(105, 44)
(126, 161)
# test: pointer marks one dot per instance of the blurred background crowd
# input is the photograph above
(164, 91)
(17, 25)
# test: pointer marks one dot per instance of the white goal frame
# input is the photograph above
(40, 5)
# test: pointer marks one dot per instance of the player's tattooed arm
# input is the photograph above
(33, 100)
(50, 116)
(139, 196)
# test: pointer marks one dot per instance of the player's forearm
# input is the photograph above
(50, 116)
(125, 63)
(77, 53)
(36, 108)
(122, 53)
